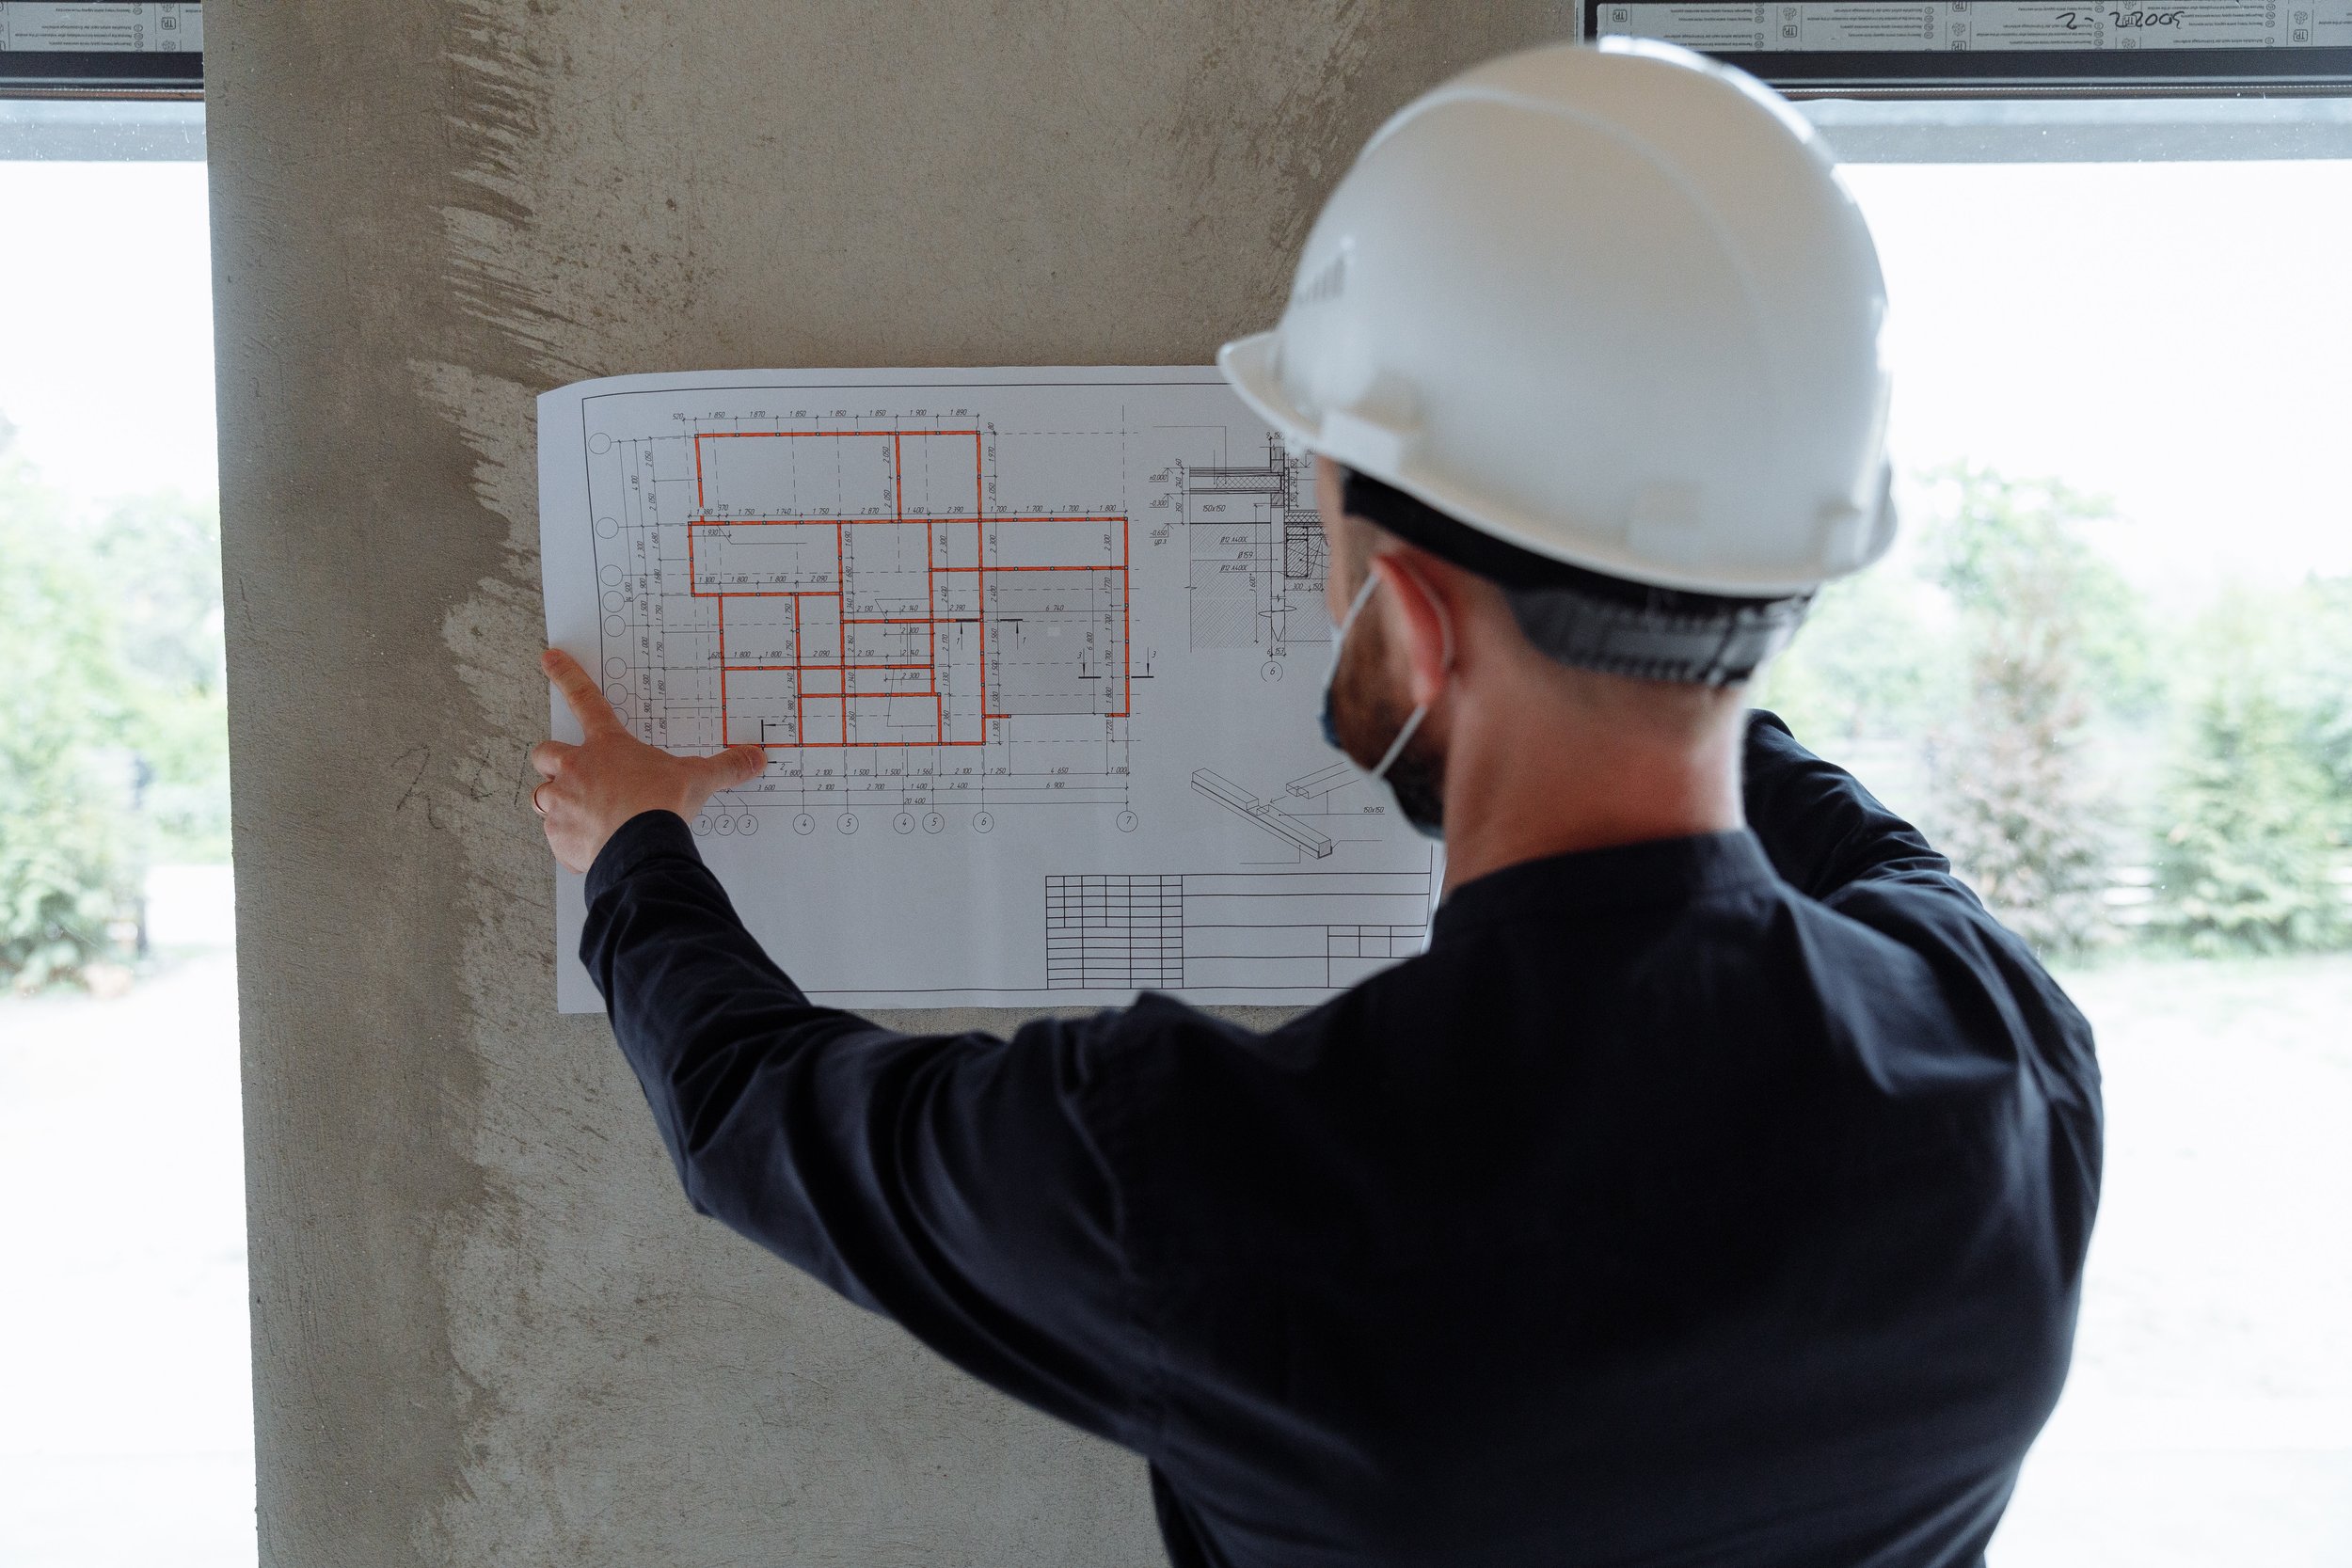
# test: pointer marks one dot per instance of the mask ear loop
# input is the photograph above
(1355, 607)
(1421, 710)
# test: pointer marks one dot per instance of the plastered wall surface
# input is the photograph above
(487, 1328)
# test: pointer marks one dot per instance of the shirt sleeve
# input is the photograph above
(1829, 838)
(948, 1182)
(1824, 833)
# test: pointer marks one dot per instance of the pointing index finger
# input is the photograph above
(580, 695)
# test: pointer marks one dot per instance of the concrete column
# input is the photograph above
(486, 1327)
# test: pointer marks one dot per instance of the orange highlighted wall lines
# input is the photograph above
(862, 619)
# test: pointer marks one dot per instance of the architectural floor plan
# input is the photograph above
(1034, 655)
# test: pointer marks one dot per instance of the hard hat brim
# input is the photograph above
(1247, 365)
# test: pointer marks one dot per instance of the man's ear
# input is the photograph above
(1427, 621)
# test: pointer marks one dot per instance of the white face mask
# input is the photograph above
(1412, 722)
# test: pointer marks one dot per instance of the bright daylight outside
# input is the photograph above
(125, 1411)
(2109, 669)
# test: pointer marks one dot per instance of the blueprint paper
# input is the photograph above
(1035, 654)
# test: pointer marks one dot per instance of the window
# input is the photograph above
(2110, 668)
(125, 1400)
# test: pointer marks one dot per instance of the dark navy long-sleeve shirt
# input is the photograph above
(1711, 1201)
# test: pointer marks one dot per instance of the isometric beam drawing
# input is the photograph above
(1265, 814)
(1321, 782)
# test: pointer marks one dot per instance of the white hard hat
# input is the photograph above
(1610, 304)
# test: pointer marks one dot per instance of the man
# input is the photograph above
(1715, 1188)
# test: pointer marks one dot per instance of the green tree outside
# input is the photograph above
(158, 558)
(113, 750)
(1991, 647)
(68, 863)
(2323, 612)
(2256, 813)
(2053, 631)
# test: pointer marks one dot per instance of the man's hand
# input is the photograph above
(593, 788)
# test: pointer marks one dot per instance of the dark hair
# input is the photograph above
(1590, 619)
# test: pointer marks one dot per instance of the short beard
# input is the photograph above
(1367, 715)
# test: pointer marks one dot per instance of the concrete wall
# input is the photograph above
(486, 1327)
